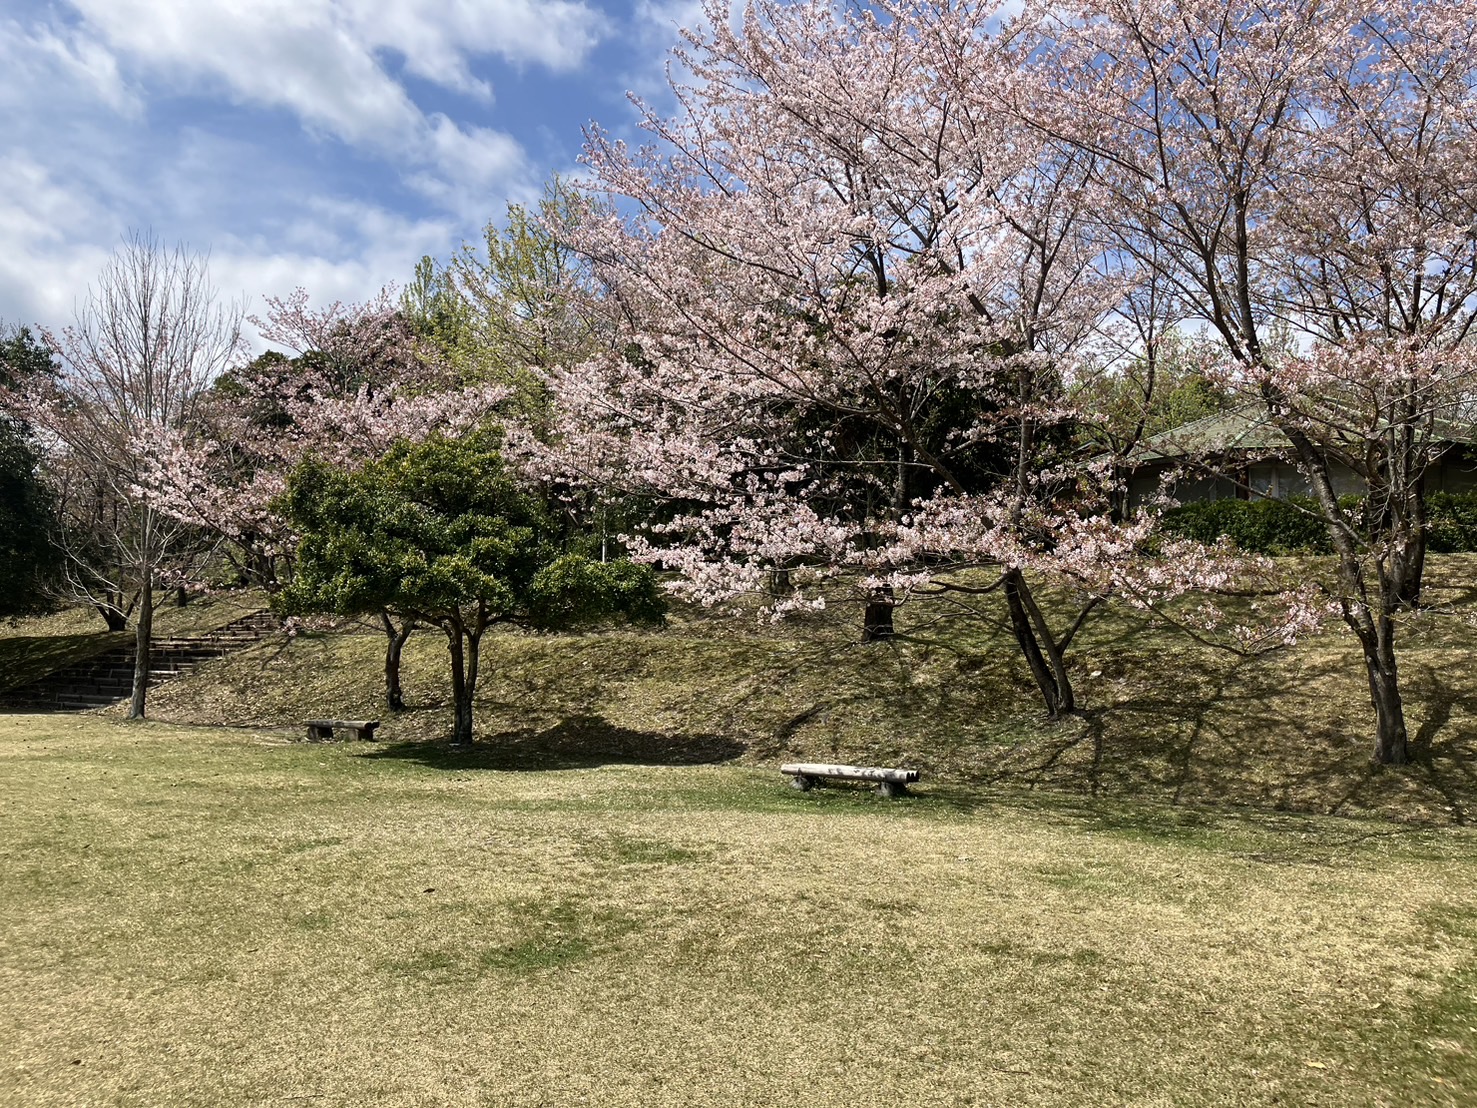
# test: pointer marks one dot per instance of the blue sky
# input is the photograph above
(321, 143)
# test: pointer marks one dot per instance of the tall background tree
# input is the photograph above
(857, 301)
(28, 554)
(148, 339)
(1301, 178)
(355, 379)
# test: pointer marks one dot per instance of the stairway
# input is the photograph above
(108, 677)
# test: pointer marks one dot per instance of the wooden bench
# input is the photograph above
(321, 729)
(890, 782)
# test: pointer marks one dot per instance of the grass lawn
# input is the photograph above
(225, 917)
(1162, 718)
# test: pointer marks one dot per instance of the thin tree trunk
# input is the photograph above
(1367, 610)
(877, 619)
(465, 646)
(1411, 565)
(142, 640)
(1390, 744)
(1043, 657)
(396, 637)
(469, 686)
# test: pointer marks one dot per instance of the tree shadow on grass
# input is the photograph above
(578, 742)
(1281, 733)
(25, 660)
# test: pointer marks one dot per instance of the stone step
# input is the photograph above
(108, 678)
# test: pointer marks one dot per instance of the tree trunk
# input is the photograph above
(877, 619)
(396, 637)
(1411, 568)
(142, 640)
(1043, 656)
(1390, 745)
(469, 686)
(463, 679)
(1367, 610)
(112, 616)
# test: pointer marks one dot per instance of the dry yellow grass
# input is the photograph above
(190, 916)
(1162, 718)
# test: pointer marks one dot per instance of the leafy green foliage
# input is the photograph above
(1451, 520)
(574, 590)
(23, 356)
(1257, 526)
(442, 525)
(1294, 526)
(1147, 398)
(27, 515)
(28, 556)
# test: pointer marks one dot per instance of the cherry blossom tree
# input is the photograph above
(1301, 177)
(146, 343)
(853, 298)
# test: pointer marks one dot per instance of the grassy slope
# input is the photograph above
(215, 918)
(1164, 719)
(32, 648)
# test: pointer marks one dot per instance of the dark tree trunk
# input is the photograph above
(1043, 656)
(1390, 744)
(1410, 567)
(112, 616)
(877, 619)
(1367, 607)
(181, 597)
(142, 641)
(395, 643)
(465, 645)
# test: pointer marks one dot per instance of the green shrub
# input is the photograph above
(1293, 527)
(1451, 522)
(1257, 526)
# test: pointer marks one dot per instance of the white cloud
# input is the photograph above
(43, 267)
(111, 119)
(68, 65)
(436, 36)
(466, 166)
(300, 56)
(55, 238)
(322, 59)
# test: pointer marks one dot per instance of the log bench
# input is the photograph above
(322, 729)
(890, 782)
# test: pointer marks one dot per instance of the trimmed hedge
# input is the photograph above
(1278, 527)
(1451, 522)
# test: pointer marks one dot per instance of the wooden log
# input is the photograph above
(850, 773)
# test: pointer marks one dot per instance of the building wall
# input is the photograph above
(1455, 473)
(1144, 483)
(1279, 480)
